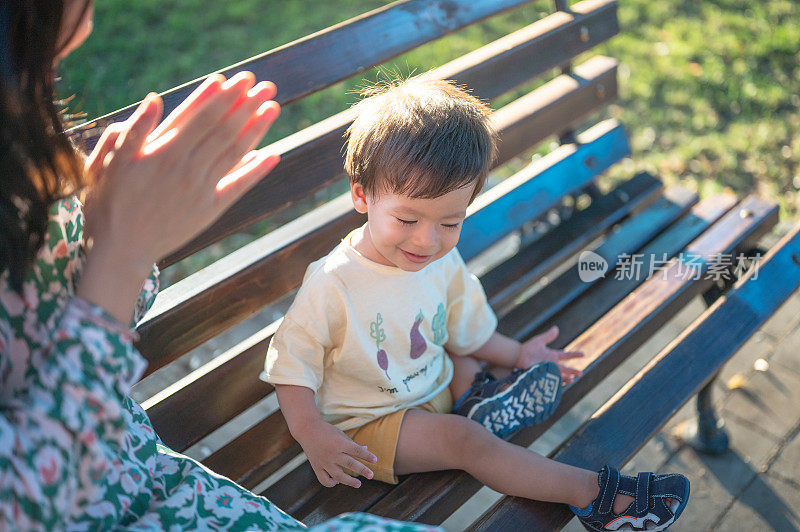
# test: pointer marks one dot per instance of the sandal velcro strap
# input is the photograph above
(643, 492)
(608, 479)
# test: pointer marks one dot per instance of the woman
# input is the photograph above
(75, 451)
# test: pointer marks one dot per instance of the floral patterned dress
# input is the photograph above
(76, 452)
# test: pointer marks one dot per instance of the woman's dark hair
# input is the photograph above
(38, 164)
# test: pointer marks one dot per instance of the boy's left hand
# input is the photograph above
(535, 351)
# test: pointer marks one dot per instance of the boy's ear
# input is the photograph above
(359, 196)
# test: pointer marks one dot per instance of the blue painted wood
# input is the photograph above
(677, 372)
(578, 314)
(535, 189)
(632, 235)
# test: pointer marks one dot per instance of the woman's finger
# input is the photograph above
(239, 181)
(138, 127)
(256, 126)
(212, 85)
(249, 156)
(222, 146)
(94, 163)
(208, 117)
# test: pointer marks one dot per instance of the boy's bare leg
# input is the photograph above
(464, 370)
(431, 442)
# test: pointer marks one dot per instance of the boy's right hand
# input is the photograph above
(329, 451)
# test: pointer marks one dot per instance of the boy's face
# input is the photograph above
(410, 233)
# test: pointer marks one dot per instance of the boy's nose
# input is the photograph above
(425, 238)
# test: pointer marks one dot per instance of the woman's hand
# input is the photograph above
(153, 187)
(156, 187)
(535, 351)
(329, 451)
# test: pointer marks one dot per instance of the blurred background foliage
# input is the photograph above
(709, 90)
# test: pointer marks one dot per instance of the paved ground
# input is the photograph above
(755, 486)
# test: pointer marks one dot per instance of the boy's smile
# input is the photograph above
(409, 233)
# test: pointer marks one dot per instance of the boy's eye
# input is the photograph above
(451, 226)
(406, 222)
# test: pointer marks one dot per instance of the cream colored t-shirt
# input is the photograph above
(369, 339)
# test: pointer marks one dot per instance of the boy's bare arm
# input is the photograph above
(328, 449)
(500, 350)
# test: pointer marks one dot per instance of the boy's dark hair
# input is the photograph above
(421, 138)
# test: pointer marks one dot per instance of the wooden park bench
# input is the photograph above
(553, 208)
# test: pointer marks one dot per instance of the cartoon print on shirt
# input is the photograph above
(418, 343)
(439, 325)
(378, 334)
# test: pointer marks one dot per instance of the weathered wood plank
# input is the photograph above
(504, 282)
(245, 280)
(539, 186)
(674, 375)
(228, 385)
(506, 63)
(531, 314)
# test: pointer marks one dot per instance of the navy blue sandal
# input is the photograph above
(531, 397)
(648, 511)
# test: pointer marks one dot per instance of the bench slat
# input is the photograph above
(572, 320)
(506, 63)
(312, 159)
(551, 250)
(677, 368)
(633, 234)
(539, 186)
(237, 376)
(217, 297)
(601, 214)
(337, 52)
(606, 344)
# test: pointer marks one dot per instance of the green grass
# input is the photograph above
(708, 90)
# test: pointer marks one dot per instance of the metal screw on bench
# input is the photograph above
(584, 34)
(600, 91)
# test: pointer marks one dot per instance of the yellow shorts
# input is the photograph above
(381, 435)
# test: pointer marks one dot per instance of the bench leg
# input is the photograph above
(707, 433)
